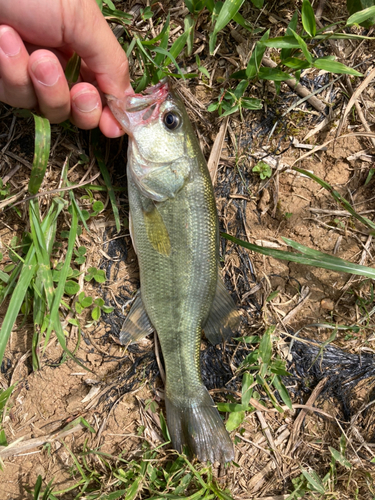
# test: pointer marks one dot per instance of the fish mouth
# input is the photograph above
(139, 109)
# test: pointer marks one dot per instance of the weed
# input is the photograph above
(263, 169)
(151, 476)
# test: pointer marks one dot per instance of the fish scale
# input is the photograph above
(174, 229)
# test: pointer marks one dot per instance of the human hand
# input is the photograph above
(37, 38)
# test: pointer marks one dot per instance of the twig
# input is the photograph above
(20, 446)
(214, 158)
(298, 422)
(353, 100)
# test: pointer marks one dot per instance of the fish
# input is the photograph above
(174, 230)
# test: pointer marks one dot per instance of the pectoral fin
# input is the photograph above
(137, 324)
(224, 319)
(157, 233)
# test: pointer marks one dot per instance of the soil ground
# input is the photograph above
(114, 397)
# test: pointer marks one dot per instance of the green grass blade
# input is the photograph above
(59, 292)
(106, 176)
(41, 153)
(283, 42)
(164, 31)
(4, 277)
(335, 67)
(303, 46)
(72, 69)
(324, 261)
(308, 18)
(361, 16)
(227, 11)
(27, 273)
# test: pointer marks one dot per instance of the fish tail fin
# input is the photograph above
(200, 428)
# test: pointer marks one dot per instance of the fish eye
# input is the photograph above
(172, 120)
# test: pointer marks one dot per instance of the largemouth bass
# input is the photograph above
(174, 228)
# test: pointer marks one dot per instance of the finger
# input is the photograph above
(86, 106)
(102, 53)
(50, 85)
(109, 125)
(16, 87)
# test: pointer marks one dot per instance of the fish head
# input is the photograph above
(161, 139)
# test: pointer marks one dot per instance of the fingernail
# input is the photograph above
(9, 43)
(86, 101)
(46, 71)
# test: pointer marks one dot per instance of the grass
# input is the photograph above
(151, 476)
(44, 276)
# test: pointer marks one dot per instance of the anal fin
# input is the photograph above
(223, 319)
(137, 324)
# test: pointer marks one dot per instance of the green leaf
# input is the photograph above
(189, 24)
(251, 103)
(319, 259)
(239, 75)
(284, 394)
(4, 277)
(54, 322)
(97, 274)
(314, 480)
(164, 428)
(117, 14)
(235, 420)
(99, 302)
(308, 18)
(258, 3)
(41, 153)
(104, 171)
(175, 50)
(227, 11)
(95, 313)
(247, 381)
(291, 26)
(340, 458)
(73, 69)
(231, 407)
(335, 67)
(5, 395)
(78, 307)
(256, 57)
(231, 110)
(361, 16)
(71, 287)
(16, 300)
(107, 309)
(80, 251)
(73, 321)
(86, 301)
(265, 346)
(283, 42)
(110, 4)
(303, 46)
(296, 63)
(98, 206)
